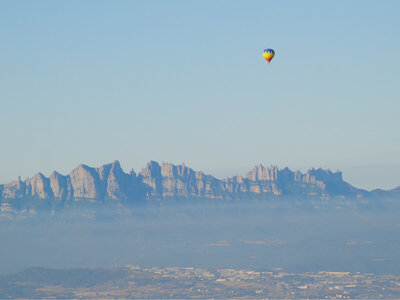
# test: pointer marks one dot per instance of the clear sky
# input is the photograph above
(185, 81)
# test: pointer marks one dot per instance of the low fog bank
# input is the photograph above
(253, 235)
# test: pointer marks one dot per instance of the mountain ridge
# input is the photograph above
(157, 182)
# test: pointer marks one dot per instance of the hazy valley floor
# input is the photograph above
(257, 237)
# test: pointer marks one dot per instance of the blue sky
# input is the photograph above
(185, 81)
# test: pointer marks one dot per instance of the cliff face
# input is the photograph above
(181, 181)
(61, 186)
(39, 186)
(119, 185)
(155, 182)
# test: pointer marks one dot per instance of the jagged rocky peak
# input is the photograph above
(178, 180)
(325, 175)
(119, 184)
(151, 176)
(116, 167)
(171, 170)
(61, 186)
(86, 182)
(174, 171)
(104, 172)
(152, 169)
(261, 173)
(155, 182)
(39, 186)
(286, 174)
(14, 189)
(320, 176)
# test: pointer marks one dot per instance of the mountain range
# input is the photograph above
(158, 182)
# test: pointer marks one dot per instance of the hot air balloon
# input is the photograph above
(268, 54)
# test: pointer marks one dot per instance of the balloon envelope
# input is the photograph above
(268, 54)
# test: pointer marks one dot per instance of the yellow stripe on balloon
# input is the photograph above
(268, 54)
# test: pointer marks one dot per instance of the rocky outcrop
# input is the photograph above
(151, 178)
(120, 186)
(181, 181)
(259, 173)
(86, 183)
(155, 182)
(14, 190)
(61, 186)
(39, 186)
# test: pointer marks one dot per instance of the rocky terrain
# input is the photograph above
(157, 182)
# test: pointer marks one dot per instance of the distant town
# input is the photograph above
(136, 282)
